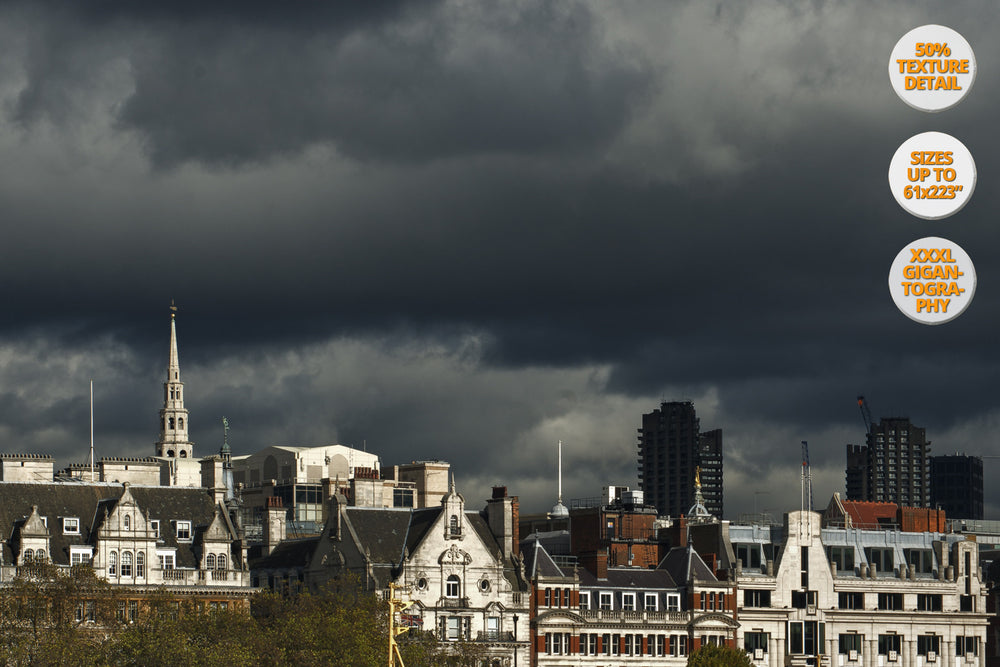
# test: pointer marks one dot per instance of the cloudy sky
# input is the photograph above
(464, 231)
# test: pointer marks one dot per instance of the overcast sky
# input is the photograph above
(465, 231)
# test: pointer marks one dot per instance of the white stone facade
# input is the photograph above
(855, 598)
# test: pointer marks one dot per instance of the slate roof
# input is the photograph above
(87, 502)
(290, 554)
(684, 565)
(538, 562)
(385, 536)
(629, 578)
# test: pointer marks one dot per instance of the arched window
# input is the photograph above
(184, 454)
(40, 555)
(140, 564)
(112, 563)
(126, 563)
(171, 394)
(452, 586)
(170, 423)
(29, 555)
(170, 453)
(222, 562)
(127, 524)
(210, 562)
(180, 422)
(453, 528)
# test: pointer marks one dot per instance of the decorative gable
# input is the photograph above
(33, 538)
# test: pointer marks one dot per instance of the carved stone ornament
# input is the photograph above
(455, 556)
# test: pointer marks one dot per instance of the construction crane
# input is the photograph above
(866, 414)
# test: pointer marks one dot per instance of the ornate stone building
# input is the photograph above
(140, 538)
(461, 569)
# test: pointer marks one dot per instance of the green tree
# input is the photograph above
(55, 616)
(711, 655)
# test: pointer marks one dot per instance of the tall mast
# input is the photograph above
(92, 430)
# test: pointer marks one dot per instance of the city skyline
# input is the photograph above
(460, 232)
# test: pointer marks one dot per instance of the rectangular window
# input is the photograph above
(402, 498)
(966, 645)
(887, 643)
(71, 526)
(851, 600)
(805, 567)
(753, 641)
(673, 602)
(628, 601)
(804, 637)
(880, 558)
(682, 645)
(661, 645)
(455, 626)
(756, 598)
(167, 559)
(592, 641)
(849, 642)
(803, 599)
(628, 644)
(843, 557)
(183, 531)
(605, 601)
(81, 555)
(928, 644)
(548, 597)
(965, 602)
(133, 611)
(584, 600)
(606, 644)
(154, 527)
(616, 642)
(922, 560)
(650, 602)
(748, 555)
(890, 601)
(928, 602)
(557, 643)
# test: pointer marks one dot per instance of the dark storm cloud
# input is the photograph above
(466, 232)
(491, 78)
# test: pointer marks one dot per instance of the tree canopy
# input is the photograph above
(711, 655)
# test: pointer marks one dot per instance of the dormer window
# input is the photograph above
(127, 522)
(154, 527)
(453, 527)
(80, 555)
(71, 526)
(183, 531)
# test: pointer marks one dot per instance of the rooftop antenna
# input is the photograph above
(91, 429)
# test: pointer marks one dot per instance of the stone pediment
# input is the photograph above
(455, 556)
(714, 619)
(560, 613)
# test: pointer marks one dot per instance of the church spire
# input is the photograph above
(173, 440)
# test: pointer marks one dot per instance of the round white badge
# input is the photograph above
(932, 68)
(932, 280)
(932, 175)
